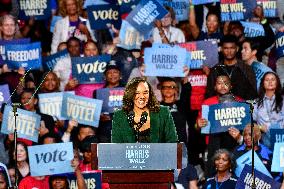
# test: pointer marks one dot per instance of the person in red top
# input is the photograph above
(40, 182)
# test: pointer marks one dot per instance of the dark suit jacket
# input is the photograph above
(162, 129)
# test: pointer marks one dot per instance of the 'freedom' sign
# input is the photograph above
(49, 159)
(89, 69)
(279, 44)
(111, 97)
(85, 110)
(145, 13)
(27, 123)
(269, 7)
(27, 56)
(102, 16)
(49, 62)
(233, 10)
(225, 115)
(202, 53)
(39, 9)
(165, 60)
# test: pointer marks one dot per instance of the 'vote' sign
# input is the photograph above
(51, 159)
(101, 16)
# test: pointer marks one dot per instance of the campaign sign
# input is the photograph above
(4, 94)
(111, 97)
(225, 115)
(85, 110)
(205, 112)
(49, 159)
(233, 10)
(127, 6)
(269, 7)
(27, 123)
(260, 69)
(276, 136)
(202, 53)
(145, 13)
(92, 2)
(51, 104)
(278, 158)
(102, 16)
(89, 69)
(53, 22)
(279, 44)
(181, 8)
(167, 62)
(27, 56)
(199, 2)
(49, 62)
(252, 29)
(246, 159)
(261, 180)
(40, 9)
(3, 43)
(92, 180)
(129, 37)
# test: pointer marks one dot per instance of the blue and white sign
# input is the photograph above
(199, 2)
(202, 53)
(53, 22)
(49, 62)
(39, 10)
(93, 180)
(27, 123)
(49, 159)
(233, 10)
(167, 62)
(260, 69)
(278, 158)
(27, 56)
(89, 69)
(102, 16)
(279, 44)
(225, 115)
(276, 136)
(246, 159)
(145, 13)
(252, 29)
(127, 6)
(4, 94)
(205, 112)
(269, 7)
(261, 180)
(111, 97)
(85, 110)
(181, 8)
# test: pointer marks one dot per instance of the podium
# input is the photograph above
(137, 165)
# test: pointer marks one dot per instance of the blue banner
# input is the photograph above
(246, 159)
(181, 8)
(260, 69)
(51, 104)
(205, 112)
(261, 180)
(199, 2)
(276, 136)
(165, 60)
(225, 115)
(27, 123)
(269, 7)
(93, 180)
(102, 16)
(252, 29)
(145, 13)
(127, 6)
(85, 110)
(49, 159)
(111, 97)
(129, 37)
(92, 2)
(233, 10)
(3, 43)
(27, 56)
(4, 94)
(49, 62)
(278, 158)
(53, 22)
(89, 69)
(202, 53)
(39, 10)
(279, 44)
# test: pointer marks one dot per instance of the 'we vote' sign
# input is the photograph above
(85, 110)
(27, 123)
(89, 69)
(269, 7)
(49, 159)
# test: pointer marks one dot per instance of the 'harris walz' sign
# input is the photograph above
(225, 115)
(39, 9)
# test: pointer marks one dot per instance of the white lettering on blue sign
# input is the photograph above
(258, 182)
(92, 67)
(146, 14)
(80, 109)
(22, 56)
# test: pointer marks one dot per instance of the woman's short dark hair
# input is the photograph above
(230, 156)
(130, 92)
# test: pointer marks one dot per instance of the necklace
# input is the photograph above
(223, 180)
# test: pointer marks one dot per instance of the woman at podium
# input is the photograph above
(141, 118)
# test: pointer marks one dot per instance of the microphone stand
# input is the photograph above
(253, 145)
(15, 145)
